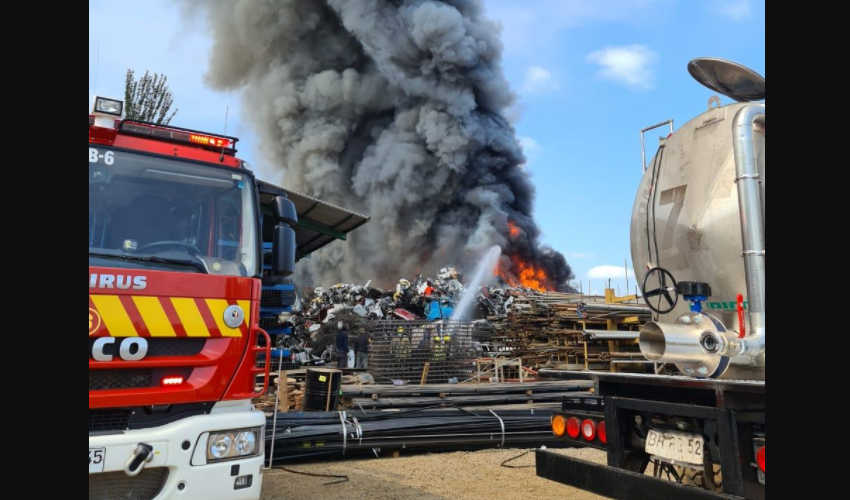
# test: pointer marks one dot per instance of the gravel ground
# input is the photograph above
(453, 475)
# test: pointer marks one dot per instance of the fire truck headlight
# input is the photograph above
(108, 106)
(220, 446)
(234, 443)
(246, 443)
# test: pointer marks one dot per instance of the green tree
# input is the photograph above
(148, 99)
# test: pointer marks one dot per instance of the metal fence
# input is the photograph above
(398, 350)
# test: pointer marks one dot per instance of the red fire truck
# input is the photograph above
(175, 268)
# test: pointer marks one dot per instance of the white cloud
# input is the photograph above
(530, 27)
(630, 65)
(736, 10)
(538, 80)
(607, 271)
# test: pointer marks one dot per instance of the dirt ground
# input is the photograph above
(452, 475)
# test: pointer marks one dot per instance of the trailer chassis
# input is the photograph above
(725, 412)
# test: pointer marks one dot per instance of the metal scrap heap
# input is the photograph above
(539, 327)
(314, 317)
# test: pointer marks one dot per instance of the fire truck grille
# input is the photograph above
(142, 417)
(108, 420)
(133, 378)
(119, 379)
(111, 485)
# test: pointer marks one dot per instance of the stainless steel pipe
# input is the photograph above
(610, 334)
(748, 180)
(590, 307)
(697, 344)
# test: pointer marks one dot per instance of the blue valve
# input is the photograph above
(696, 302)
(694, 292)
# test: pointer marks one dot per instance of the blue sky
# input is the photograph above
(588, 76)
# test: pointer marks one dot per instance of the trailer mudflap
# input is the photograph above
(613, 482)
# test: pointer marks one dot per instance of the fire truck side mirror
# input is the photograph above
(283, 250)
(284, 210)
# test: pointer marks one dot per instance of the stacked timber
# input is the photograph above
(289, 395)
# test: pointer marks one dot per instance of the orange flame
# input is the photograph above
(523, 274)
(513, 229)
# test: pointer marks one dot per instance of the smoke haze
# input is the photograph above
(393, 108)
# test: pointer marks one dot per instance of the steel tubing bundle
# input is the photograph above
(477, 400)
(382, 390)
(328, 434)
(610, 334)
(620, 308)
(612, 311)
(550, 373)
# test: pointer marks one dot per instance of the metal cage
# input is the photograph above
(398, 350)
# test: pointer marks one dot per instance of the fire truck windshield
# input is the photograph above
(157, 213)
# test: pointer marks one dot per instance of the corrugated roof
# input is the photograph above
(319, 222)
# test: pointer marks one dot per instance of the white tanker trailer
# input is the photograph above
(698, 247)
(697, 233)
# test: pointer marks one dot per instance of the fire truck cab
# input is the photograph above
(175, 269)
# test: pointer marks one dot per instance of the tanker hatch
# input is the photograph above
(729, 78)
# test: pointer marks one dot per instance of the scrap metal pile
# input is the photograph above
(407, 301)
(506, 321)
(314, 318)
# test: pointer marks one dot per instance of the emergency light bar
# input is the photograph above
(182, 135)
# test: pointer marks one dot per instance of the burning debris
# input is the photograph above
(314, 318)
(396, 109)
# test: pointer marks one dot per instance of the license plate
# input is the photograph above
(97, 457)
(677, 446)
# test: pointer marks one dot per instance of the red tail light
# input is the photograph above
(600, 431)
(760, 459)
(573, 427)
(588, 429)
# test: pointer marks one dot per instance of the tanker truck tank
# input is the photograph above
(698, 219)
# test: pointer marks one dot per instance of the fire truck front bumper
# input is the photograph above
(174, 459)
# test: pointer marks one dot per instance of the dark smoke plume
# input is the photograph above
(393, 108)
